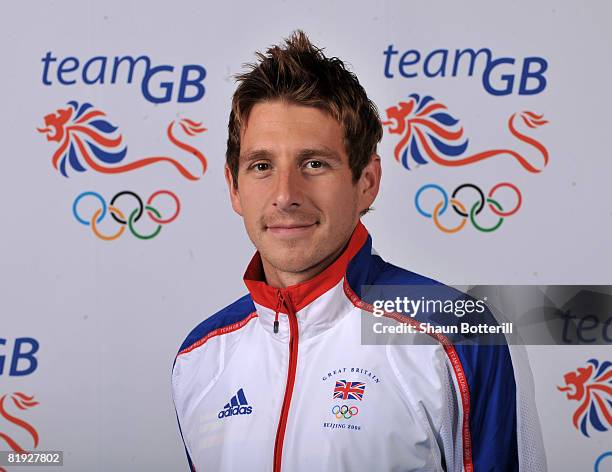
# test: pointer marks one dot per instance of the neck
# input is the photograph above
(305, 286)
(278, 278)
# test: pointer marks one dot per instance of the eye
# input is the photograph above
(261, 166)
(314, 164)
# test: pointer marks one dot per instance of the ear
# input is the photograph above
(233, 191)
(369, 182)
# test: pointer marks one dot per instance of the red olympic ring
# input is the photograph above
(176, 201)
(518, 204)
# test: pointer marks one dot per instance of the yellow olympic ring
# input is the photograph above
(436, 213)
(112, 209)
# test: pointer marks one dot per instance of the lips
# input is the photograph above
(290, 229)
(290, 226)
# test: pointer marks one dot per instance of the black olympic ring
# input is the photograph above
(140, 206)
(482, 199)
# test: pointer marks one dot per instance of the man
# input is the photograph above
(279, 379)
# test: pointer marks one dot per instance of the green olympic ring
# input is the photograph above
(142, 236)
(481, 228)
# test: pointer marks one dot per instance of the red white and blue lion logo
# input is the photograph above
(89, 141)
(591, 386)
(430, 133)
(11, 420)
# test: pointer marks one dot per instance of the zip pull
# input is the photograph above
(278, 305)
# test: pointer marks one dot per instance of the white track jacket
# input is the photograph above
(311, 397)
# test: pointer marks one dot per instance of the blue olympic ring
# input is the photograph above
(601, 458)
(418, 194)
(78, 199)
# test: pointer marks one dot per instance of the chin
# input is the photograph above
(289, 261)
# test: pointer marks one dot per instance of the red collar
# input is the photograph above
(304, 293)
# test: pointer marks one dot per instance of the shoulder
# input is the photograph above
(368, 268)
(200, 358)
(390, 274)
(230, 318)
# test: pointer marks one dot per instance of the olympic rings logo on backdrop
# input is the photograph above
(345, 411)
(120, 217)
(468, 212)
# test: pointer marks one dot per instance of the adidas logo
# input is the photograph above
(238, 405)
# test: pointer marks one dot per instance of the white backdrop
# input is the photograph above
(109, 315)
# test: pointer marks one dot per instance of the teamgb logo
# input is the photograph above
(591, 386)
(120, 216)
(429, 133)
(87, 140)
(238, 405)
(529, 76)
(101, 70)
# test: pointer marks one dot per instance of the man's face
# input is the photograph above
(295, 188)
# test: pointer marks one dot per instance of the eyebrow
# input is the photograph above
(303, 154)
(319, 152)
(254, 155)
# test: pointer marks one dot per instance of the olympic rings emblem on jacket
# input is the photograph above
(345, 411)
(120, 217)
(461, 209)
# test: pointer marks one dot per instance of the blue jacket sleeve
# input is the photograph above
(493, 400)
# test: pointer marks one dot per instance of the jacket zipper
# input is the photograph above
(283, 299)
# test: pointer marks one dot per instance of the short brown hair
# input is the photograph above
(300, 73)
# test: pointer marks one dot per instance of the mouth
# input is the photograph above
(289, 230)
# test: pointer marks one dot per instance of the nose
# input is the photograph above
(288, 191)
